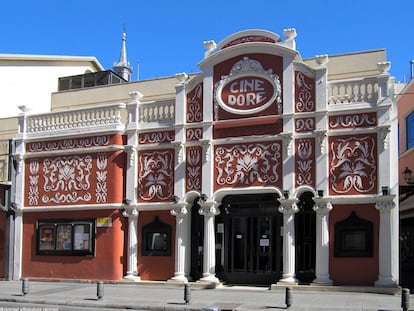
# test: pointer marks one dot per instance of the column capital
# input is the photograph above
(322, 205)
(288, 206)
(209, 209)
(179, 210)
(130, 213)
(385, 203)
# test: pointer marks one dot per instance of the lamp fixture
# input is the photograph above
(286, 194)
(385, 190)
(175, 199)
(203, 197)
(320, 193)
(407, 174)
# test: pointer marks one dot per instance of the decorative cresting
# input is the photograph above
(353, 164)
(248, 88)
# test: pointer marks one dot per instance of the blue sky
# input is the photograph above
(166, 37)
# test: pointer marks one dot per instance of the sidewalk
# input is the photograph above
(165, 296)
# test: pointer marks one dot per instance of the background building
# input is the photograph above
(406, 163)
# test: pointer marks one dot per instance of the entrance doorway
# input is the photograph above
(305, 227)
(248, 240)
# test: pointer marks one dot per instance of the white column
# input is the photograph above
(289, 208)
(385, 278)
(18, 204)
(322, 208)
(182, 238)
(209, 211)
(132, 248)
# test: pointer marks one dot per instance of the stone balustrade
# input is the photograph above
(353, 91)
(107, 116)
(161, 112)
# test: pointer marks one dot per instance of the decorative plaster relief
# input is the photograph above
(304, 93)
(353, 120)
(194, 133)
(304, 124)
(243, 165)
(155, 175)
(67, 144)
(194, 168)
(248, 89)
(67, 180)
(305, 162)
(353, 164)
(195, 104)
(156, 137)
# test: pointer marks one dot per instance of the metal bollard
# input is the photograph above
(25, 286)
(100, 289)
(405, 299)
(187, 293)
(288, 297)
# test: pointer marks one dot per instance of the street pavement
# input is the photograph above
(170, 296)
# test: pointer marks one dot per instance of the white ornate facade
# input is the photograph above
(261, 169)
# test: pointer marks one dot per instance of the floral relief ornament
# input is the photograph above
(253, 164)
(353, 165)
(64, 179)
(156, 175)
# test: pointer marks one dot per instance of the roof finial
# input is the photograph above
(123, 67)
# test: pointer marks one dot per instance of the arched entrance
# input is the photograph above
(248, 240)
(305, 227)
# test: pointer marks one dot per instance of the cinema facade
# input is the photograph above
(263, 168)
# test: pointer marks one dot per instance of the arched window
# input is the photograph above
(410, 130)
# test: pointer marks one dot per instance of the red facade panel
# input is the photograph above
(106, 264)
(354, 270)
(156, 175)
(243, 165)
(194, 168)
(353, 164)
(304, 93)
(305, 165)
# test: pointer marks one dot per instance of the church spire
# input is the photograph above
(123, 67)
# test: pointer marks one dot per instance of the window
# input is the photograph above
(354, 237)
(156, 239)
(410, 130)
(65, 237)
